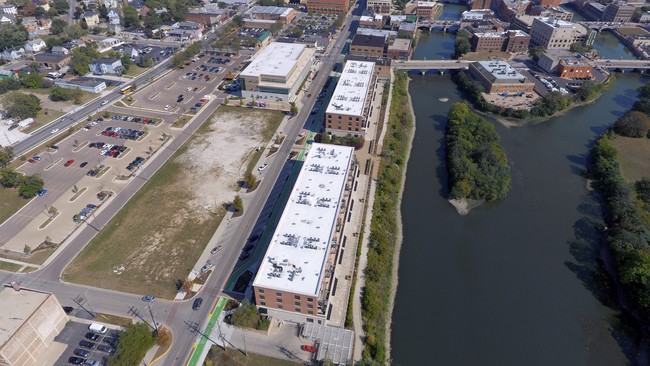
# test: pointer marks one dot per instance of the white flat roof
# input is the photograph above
(351, 91)
(17, 307)
(501, 70)
(276, 59)
(295, 259)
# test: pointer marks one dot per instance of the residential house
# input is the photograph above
(106, 66)
(111, 3)
(114, 16)
(35, 45)
(60, 50)
(72, 44)
(42, 4)
(91, 18)
(11, 54)
(7, 19)
(6, 74)
(132, 51)
(44, 23)
(107, 44)
(91, 85)
(144, 11)
(52, 61)
(9, 9)
(159, 11)
(30, 23)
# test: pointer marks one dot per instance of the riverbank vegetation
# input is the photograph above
(384, 228)
(478, 165)
(545, 107)
(627, 214)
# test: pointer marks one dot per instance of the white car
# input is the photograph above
(262, 167)
(54, 130)
(188, 89)
(167, 107)
(103, 152)
(105, 102)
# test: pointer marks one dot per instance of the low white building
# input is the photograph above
(35, 45)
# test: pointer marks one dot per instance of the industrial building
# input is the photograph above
(295, 279)
(380, 7)
(347, 111)
(277, 72)
(499, 77)
(269, 14)
(29, 321)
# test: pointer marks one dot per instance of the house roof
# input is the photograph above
(51, 57)
(369, 41)
(106, 60)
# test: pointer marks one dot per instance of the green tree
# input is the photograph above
(238, 204)
(126, 62)
(10, 178)
(130, 17)
(642, 188)
(245, 315)
(12, 35)
(222, 5)
(58, 94)
(276, 27)
(58, 26)
(238, 20)
(338, 22)
(6, 155)
(632, 124)
(580, 47)
(536, 51)
(461, 46)
(644, 91)
(32, 80)
(250, 180)
(133, 345)
(21, 105)
(30, 186)
(61, 6)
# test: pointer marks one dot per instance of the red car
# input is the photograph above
(69, 162)
(308, 348)
(31, 161)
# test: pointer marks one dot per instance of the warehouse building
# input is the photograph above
(347, 111)
(295, 279)
(277, 72)
(499, 77)
(29, 321)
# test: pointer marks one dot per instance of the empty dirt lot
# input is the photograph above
(155, 240)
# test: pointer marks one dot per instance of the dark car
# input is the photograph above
(76, 360)
(68, 309)
(110, 340)
(244, 256)
(92, 336)
(83, 164)
(54, 147)
(106, 348)
(197, 304)
(87, 345)
(248, 247)
(148, 298)
(81, 352)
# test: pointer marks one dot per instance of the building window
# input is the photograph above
(310, 299)
(279, 299)
(311, 306)
(262, 303)
(311, 312)
(261, 297)
(278, 293)
(261, 290)
(279, 306)
(297, 310)
(310, 320)
(297, 297)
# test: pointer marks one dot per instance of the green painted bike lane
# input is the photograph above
(198, 350)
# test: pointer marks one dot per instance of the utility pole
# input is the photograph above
(243, 335)
(155, 325)
(81, 301)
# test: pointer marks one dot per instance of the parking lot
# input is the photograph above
(84, 344)
(94, 159)
(181, 91)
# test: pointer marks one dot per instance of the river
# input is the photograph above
(514, 282)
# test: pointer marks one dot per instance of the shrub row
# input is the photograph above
(477, 164)
(383, 231)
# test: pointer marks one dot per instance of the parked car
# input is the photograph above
(216, 249)
(244, 256)
(76, 360)
(83, 164)
(106, 348)
(206, 267)
(36, 157)
(248, 247)
(308, 348)
(42, 192)
(69, 162)
(87, 345)
(148, 298)
(91, 362)
(262, 167)
(31, 161)
(81, 352)
(110, 340)
(54, 147)
(92, 336)
(197, 304)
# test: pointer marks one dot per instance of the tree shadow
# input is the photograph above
(587, 248)
(579, 164)
(440, 125)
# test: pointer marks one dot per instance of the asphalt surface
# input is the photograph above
(177, 315)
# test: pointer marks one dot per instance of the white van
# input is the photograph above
(97, 328)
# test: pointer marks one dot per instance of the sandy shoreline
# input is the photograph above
(398, 244)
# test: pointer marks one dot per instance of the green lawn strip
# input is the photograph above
(198, 350)
(10, 203)
(11, 267)
(113, 319)
(42, 119)
(232, 357)
(37, 257)
(135, 70)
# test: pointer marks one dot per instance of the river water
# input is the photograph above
(514, 282)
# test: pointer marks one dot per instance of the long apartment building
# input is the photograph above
(277, 72)
(347, 111)
(509, 41)
(328, 6)
(295, 278)
(553, 33)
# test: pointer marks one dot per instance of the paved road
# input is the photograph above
(178, 314)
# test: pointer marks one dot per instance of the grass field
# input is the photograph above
(113, 319)
(233, 357)
(42, 119)
(135, 70)
(634, 157)
(156, 251)
(10, 203)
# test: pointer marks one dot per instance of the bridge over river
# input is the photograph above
(441, 65)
